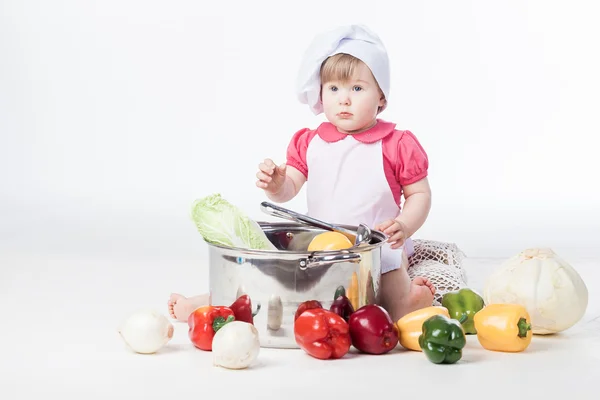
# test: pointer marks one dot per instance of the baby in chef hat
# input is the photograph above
(356, 166)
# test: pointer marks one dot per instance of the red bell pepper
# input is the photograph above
(322, 334)
(205, 321)
(307, 305)
(242, 309)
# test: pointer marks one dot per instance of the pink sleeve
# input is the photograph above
(412, 163)
(296, 151)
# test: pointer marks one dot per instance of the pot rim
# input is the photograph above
(294, 225)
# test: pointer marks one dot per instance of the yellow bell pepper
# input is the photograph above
(503, 327)
(410, 326)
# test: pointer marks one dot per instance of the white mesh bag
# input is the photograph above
(439, 262)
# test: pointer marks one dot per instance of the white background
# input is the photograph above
(116, 115)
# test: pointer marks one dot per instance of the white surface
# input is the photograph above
(132, 107)
(59, 336)
(116, 115)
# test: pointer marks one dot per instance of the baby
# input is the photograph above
(360, 166)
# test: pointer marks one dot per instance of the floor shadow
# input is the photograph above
(173, 348)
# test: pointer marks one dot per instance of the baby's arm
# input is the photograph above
(409, 164)
(416, 207)
(281, 183)
(294, 180)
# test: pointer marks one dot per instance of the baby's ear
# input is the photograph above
(382, 103)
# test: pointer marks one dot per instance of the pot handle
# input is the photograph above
(322, 261)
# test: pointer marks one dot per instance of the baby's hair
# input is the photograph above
(341, 67)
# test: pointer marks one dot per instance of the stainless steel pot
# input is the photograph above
(278, 281)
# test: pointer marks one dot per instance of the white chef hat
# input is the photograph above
(356, 40)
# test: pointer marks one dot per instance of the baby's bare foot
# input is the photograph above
(180, 307)
(420, 295)
(420, 281)
(171, 303)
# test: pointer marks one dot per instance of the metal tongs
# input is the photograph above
(361, 236)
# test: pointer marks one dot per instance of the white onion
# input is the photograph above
(236, 345)
(146, 331)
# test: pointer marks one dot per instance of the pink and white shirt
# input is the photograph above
(358, 178)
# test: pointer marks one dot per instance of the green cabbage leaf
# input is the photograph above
(222, 223)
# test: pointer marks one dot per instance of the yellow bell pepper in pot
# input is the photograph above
(503, 327)
(410, 326)
(353, 291)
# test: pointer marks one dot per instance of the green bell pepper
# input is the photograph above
(462, 306)
(442, 339)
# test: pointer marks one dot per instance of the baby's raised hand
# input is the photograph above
(395, 230)
(270, 176)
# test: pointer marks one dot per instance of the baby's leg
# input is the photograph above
(180, 307)
(400, 296)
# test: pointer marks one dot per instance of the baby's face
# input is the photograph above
(352, 106)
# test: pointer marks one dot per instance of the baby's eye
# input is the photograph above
(357, 88)
(333, 88)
